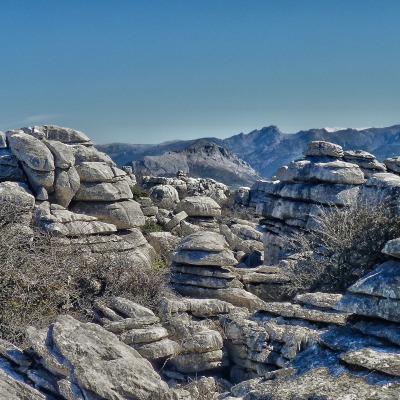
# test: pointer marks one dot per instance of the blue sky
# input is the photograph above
(149, 71)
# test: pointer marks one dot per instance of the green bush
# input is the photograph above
(150, 226)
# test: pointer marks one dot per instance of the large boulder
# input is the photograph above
(199, 206)
(165, 195)
(123, 214)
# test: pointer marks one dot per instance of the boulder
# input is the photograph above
(58, 133)
(199, 206)
(320, 149)
(165, 195)
(66, 185)
(123, 214)
(104, 191)
(205, 241)
(63, 154)
(31, 152)
(333, 172)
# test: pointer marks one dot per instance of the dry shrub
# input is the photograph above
(42, 276)
(346, 244)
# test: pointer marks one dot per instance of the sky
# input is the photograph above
(147, 71)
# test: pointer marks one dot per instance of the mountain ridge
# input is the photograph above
(268, 148)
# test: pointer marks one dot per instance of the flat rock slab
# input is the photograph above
(206, 241)
(144, 335)
(160, 349)
(374, 360)
(317, 299)
(290, 310)
(383, 281)
(392, 248)
(371, 306)
(207, 258)
(13, 389)
(321, 148)
(332, 172)
(199, 206)
(317, 383)
(382, 330)
(123, 214)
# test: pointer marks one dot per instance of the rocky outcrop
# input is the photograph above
(75, 360)
(201, 159)
(188, 186)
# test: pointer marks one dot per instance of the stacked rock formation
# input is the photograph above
(302, 189)
(138, 327)
(74, 190)
(202, 268)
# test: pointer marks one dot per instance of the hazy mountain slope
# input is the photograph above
(267, 149)
(202, 159)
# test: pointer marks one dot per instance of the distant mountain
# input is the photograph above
(268, 148)
(202, 159)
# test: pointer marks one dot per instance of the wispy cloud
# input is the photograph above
(42, 117)
(34, 119)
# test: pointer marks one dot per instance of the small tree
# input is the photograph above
(346, 244)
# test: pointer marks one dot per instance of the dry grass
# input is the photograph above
(42, 276)
(346, 245)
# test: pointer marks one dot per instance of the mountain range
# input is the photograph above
(264, 150)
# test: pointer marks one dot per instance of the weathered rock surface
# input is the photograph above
(199, 206)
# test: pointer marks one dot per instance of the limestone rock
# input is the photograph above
(333, 172)
(103, 191)
(14, 389)
(383, 281)
(372, 359)
(63, 154)
(203, 241)
(32, 152)
(123, 214)
(319, 148)
(58, 133)
(102, 364)
(201, 257)
(66, 184)
(392, 248)
(165, 195)
(199, 206)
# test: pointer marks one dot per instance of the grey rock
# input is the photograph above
(14, 389)
(175, 221)
(158, 350)
(317, 299)
(122, 214)
(382, 330)
(90, 171)
(199, 206)
(63, 154)
(17, 193)
(205, 281)
(103, 191)
(31, 152)
(66, 185)
(3, 140)
(144, 335)
(58, 133)
(383, 281)
(332, 172)
(196, 362)
(375, 360)
(371, 306)
(320, 148)
(165, 195)
(89, 153)
(392, 248)
(104, 365)
(200, 257)
(130, 309)
(205, 241)
(393, 164)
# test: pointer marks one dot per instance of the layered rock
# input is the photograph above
(75, 360)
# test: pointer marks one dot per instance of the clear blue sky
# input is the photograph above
(148, 71)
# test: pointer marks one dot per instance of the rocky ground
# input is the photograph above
(232, 330)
